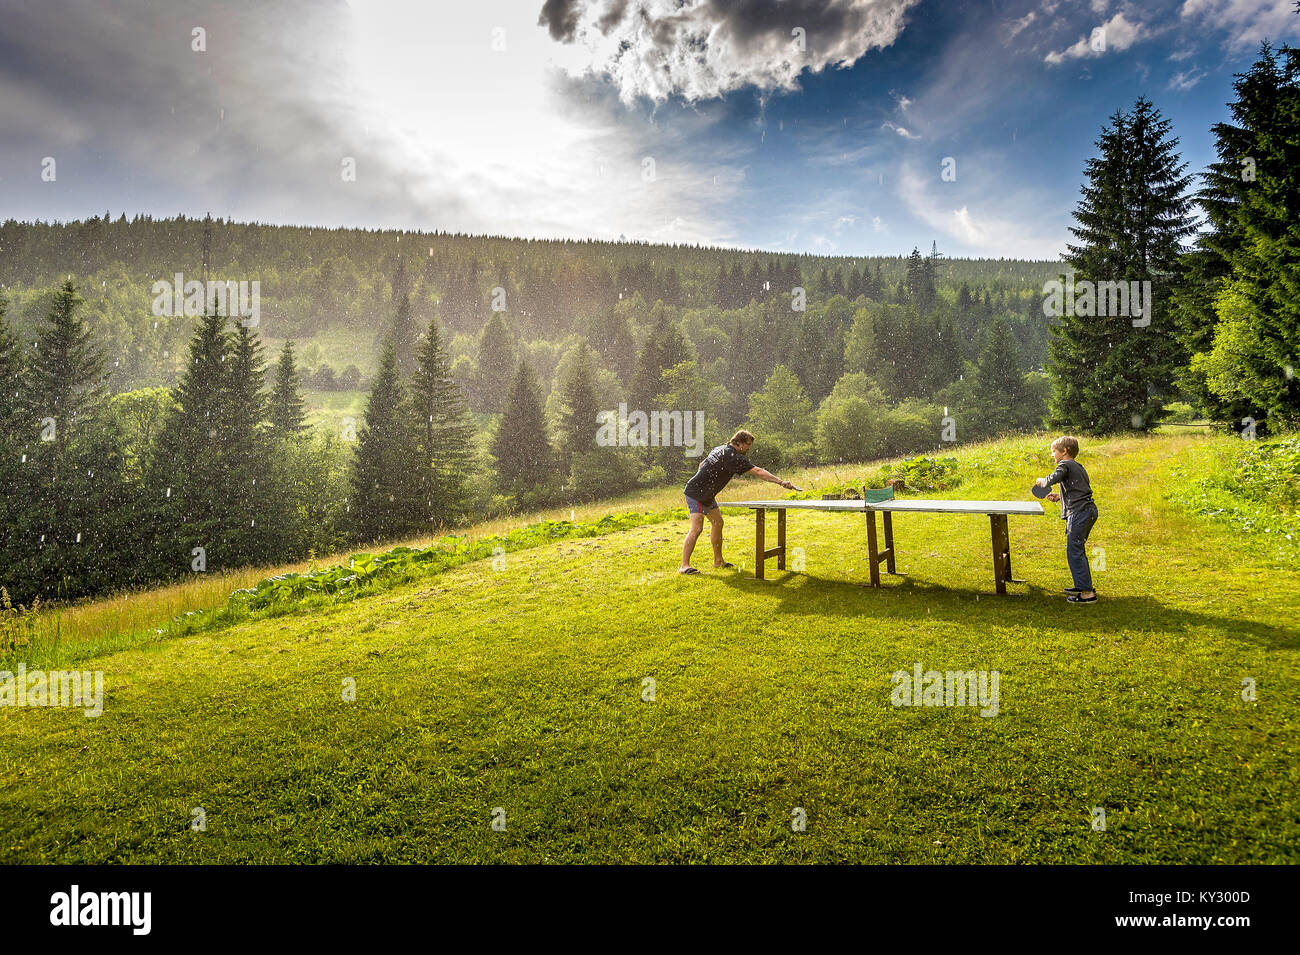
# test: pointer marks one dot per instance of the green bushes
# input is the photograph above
(1269, 472)
(924, 474)
(1254, 486)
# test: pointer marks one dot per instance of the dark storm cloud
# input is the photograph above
(706, 48)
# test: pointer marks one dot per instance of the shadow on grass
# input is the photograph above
(1024, 605)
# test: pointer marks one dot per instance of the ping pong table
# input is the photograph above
(887, 506)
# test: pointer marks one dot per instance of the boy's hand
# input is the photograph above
(1053, 497)
(1041, 482)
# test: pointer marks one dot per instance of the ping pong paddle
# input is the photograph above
(1039, 491)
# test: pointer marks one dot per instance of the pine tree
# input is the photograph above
(403, 336)
(440, 420)
(65, 374)
(287, 417)
(1108, 374)
(11, 368)
(251, 513)
(578, 409)
(12, 502)
(1248, 264)
(920, 282)
(520, 447)
(998, 379)
(496, 355)
(385, 496)
(186, 469)
(71, 535)
(664, 347)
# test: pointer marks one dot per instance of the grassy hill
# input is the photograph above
(518, 683)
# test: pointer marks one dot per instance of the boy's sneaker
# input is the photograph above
(1076, 599)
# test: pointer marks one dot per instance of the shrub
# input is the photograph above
(16, 623)
(924, 474)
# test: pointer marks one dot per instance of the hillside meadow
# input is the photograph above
(578, 700)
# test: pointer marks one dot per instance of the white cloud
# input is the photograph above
(703, 49)
(901, 130)
(981, 232)
(1183, 81)
(1017, 26)
(1118, 33)
(1248, 22)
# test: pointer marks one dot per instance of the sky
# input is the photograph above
(836, 127)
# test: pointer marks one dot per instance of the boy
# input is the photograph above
(1079, 512)
(717, 468)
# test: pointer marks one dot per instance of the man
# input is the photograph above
(717, 468)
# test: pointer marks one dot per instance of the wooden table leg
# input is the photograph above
(1006, 539)
(780, 538)
(998, 524)
(759, 559)
(872, 555)
(889, 542)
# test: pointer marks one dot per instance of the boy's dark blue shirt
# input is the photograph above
(1076, 489)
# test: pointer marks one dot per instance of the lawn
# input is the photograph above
(517, 690)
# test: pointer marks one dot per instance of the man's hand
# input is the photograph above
(787, 485)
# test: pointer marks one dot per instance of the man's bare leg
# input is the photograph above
(697, 526)
(715, 535)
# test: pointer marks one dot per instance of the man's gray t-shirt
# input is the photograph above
(1076, 489)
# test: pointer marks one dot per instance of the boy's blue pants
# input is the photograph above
(1078, 525)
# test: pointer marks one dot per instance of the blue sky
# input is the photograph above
(789, 125)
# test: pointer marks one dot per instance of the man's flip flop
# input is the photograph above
(689, 570)
(1076, 599)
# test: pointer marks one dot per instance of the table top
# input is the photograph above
(919, 506)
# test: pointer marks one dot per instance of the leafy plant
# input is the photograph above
(17, 623)
(924, 474)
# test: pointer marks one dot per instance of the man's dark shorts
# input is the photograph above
(701, 507)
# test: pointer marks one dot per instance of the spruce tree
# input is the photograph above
(496, 357)
(71, 535)
(252, 516)
(11, 367)
(403, 336)
(385, 498)
(1107, 373)
(999, 380)
(520, 446)
(1249, 262)
(189, 467)
(578, 409)
(66, 370)
(664, 347)
(287, 417)
(440, 421)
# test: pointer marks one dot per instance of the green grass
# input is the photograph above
(520, 686)
(326, 410)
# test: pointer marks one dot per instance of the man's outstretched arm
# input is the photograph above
(769, 476)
